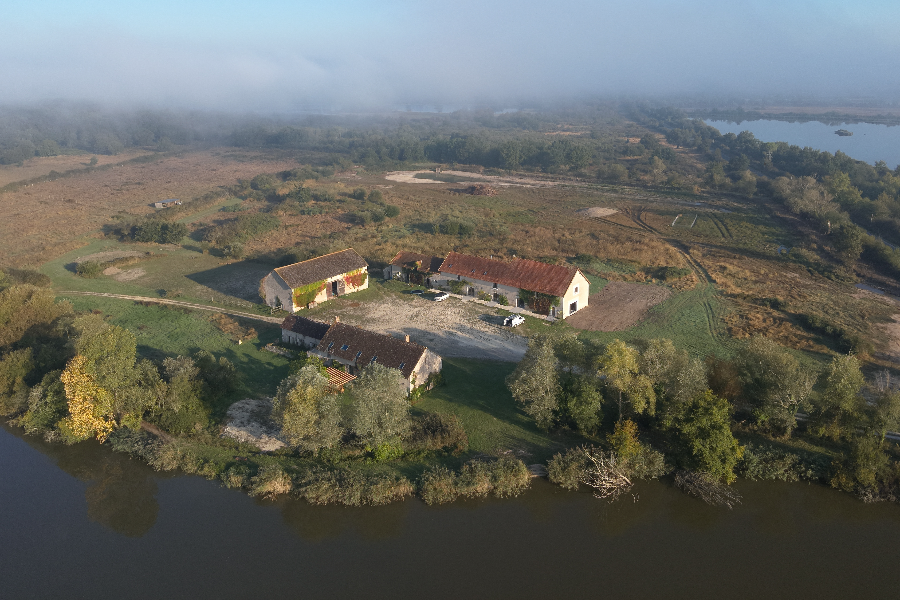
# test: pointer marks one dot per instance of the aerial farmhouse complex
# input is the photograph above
(552, 290)
(305, 284)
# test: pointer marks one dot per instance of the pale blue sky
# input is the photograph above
(279, 55)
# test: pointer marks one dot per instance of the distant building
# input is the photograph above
(553, 290)
(356, 348)
(412, 267)
(305, 284)
(167, 203)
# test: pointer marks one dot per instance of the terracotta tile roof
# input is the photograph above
(304, 326)
(388, 351)
(519, 273)
(337, 379)
(427, 264)
(322, 267)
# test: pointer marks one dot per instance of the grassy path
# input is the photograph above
(233, 313)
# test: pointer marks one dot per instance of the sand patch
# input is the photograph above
(250, 422)
(129, 275)
(410, 177)
(596, 211)
(618, 306)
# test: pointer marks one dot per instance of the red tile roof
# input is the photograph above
(427, 264)
(519, 273)
(321, 267)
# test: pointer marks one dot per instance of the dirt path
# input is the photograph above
(224, 311)
(410, 177)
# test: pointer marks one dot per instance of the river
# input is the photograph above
(83, 522)
(869, 142)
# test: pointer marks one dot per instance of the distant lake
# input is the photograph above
(869, 143)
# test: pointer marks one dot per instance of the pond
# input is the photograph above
(869, 143)
(84, 522)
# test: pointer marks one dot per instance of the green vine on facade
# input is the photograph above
(538, 302)
(305, 294)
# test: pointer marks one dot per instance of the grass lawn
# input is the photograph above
(163, 332)
(475, 391)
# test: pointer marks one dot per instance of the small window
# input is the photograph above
(485, 273)
(450, 266)
(330, 345)
(345, 347)
(495, 286)
(403, 364)
(458, 277)
(374, 358)
(576, 289)
(358, 354)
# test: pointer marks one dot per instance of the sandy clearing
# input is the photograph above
(618, 306)
(410, 177)
(129, 275)
(249, 422)
(596, 211)
(452, 328)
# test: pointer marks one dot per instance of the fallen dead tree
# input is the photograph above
(603, 473)
(706, 488)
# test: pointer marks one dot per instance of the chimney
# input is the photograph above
(406, 338)
(337, 319)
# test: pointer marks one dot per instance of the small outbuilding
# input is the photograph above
(305, 284)
(302, 332)
(167, 203)
(412, 267)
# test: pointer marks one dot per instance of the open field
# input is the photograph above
(42, 166)
(45, 219)
(748, 272)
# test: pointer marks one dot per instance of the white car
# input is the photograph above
(513, 320)
(441, 296)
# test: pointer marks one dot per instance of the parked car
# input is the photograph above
(513, 320)
(441, 296)
(417, 292)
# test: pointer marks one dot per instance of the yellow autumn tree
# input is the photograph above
(90, 406)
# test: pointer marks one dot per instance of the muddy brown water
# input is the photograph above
(81, 521)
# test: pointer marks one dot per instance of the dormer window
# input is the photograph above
(403, 364)
(374, 358)
(345, 347)
(358, 354)
(330, 346)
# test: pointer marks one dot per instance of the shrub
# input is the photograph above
(137, 443)
(761, 462)
(510, 477)
(391, 211)
(271, 481)
(484, 296)
(502, 300)
(352, 487)
(438, 486)
(89, 269)
(567, 469)
(433, 431)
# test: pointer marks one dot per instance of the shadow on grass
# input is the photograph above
(238, 279)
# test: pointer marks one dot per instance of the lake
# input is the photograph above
(869, 143)
(81, 522)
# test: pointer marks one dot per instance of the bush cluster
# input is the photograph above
(504, 477)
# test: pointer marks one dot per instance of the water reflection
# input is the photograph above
(121, 491)
(320, 523)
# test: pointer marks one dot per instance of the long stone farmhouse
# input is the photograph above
(553, 290)
(355, 348)
(412, 267)
(305, 284)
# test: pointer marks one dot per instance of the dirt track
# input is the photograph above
(618, 306)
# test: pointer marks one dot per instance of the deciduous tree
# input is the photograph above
(308, 414)
(535, 382)
(379, 409)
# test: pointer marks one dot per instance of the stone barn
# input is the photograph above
(412, 267)
(305, 284)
